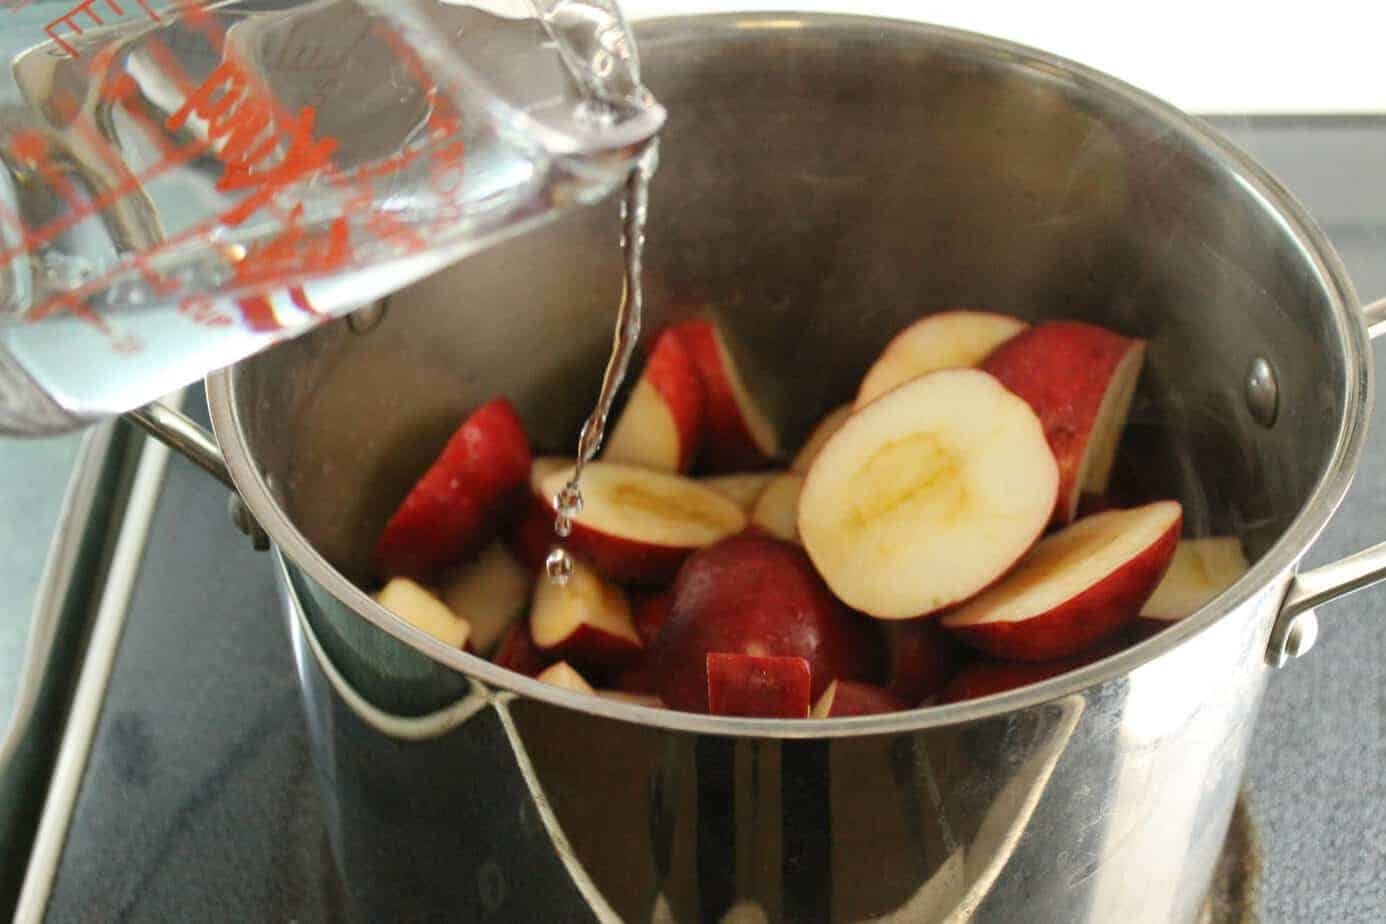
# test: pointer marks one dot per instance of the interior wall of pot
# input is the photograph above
(820, 189)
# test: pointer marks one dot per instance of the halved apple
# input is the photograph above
(638, 525)
(585, 620)
(563, 675)
(948, 340)
(1080, 379)
(927, 494)
(453, 510)
(662, 421)
(826, 427)
(421, 609)
(845, 698)
(777, 512)
(742, 488)
(1200, 570)
(1076, 588)
(736, 432)
(757, 686)
(490, 592)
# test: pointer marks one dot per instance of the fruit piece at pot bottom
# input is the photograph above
(638, 525)
(824, 430)
(737, 434)
(517, 651)
(985, 677)
(585, 621)
(423, 611)
(947, 340)
(563, 675)
(920, 659)
(1080, 379)
(648, 700)
(756, 686)
(776, 513)
(845, 698)
(756, 596)
(741, 488)
(927, 495)
(490, 592)
(1076, 588)
(1200, 570)
(454, 508)
(662, 422)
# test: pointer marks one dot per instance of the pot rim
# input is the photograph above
(1267, 572)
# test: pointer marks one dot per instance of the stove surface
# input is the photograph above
(199, 803)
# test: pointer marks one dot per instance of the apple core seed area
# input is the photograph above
(917, 476)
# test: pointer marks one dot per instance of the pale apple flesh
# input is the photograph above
(648, 700)
(1076, 589)
(586, 621)
(661, 424)
(564, 676)
(777, 512)
(422, 610)
(757, 686)
(845, 698)
(490, 593)
(948, 340)
(820, 435)
(1201, 569)
(927, 495)
(741, 488)
(737, 433)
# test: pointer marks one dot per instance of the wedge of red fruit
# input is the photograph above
(757, 686)
(662, 422)
(737, 433)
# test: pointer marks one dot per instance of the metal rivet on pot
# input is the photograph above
(1262, 392)
(364, 320)
(245, 521)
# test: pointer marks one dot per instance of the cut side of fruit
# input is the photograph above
(742, 489)
(490, 593)
(777, 512)
(563, 675)
(757, 686)
(661, 424)
(454, 508)
(825, 429)
(1201, 569)
(948, 340)
(586, 621)
(1080, 379)
(1076, 588)
(844, 698)
(424, 611)
(927, 494)
(639, 525)
(736, 432)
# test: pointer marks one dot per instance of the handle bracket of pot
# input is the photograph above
(184, 436)
(1296, 627)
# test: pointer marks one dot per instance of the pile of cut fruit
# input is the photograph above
(947, 535)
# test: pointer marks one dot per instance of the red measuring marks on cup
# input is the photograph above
(90, 13)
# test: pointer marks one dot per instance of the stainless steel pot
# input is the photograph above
(825, 180)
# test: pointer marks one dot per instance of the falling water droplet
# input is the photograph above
(558, 566)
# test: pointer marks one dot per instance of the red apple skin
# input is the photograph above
(638, 679)
(591, 649)
(650, 613)
(727, 444)
(758, 687)
(626, 561)
(532, 536)
(517, 651)
(921, 659)
(1082, 622)
(671, 372)
(852, 699)
(754, 595)
(454, 509)
(1061, 369)
(984, 676)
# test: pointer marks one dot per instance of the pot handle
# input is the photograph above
(195, 443)
(1296, 627)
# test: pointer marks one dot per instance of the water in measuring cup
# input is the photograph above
(181, 187)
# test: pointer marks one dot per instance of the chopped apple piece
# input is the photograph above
(736, 432)
(948, 340)
(985, 677)
(424, 611)
(742, 489)
(662, 422)
(563, 675)
(585, 620)
(1201, 569)
(1080, 379)
(638, 525)
(635, 699)
(517, 651)
(922, 659)
(757, 686)
(843, 698)
(777, 512)
(825, 429)
(1076, 588)
(927, 494)
(490, 593)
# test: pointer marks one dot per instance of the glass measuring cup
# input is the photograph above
(185, 183)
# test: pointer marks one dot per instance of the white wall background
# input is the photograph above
(1214, 56)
